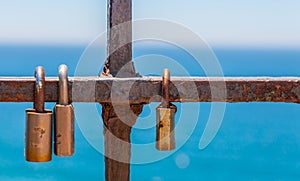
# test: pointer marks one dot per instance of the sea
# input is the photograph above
(256, 141)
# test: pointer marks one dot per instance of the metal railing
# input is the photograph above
(144, 90)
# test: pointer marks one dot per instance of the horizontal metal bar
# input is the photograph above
(148, 89)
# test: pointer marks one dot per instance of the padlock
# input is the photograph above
(64, 118)
(38, 134)
(165, 118)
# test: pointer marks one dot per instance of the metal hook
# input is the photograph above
(63, 85)
(39, 98)
(165, 101)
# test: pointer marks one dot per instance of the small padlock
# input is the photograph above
(165, 115)
(64, 118)
(38, 134)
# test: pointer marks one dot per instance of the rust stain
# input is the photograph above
(41, 131)
(277, 86)
(239, 89)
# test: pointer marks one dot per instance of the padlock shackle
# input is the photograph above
(63, 85)
(39, 97)
(165, 101)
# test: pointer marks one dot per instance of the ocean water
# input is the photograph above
(256, 141)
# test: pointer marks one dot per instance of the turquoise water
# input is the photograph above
(257, 141)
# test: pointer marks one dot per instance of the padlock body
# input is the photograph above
(165, 123)
(64, 130)
(38, 136)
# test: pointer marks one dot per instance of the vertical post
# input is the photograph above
(119, 32)
(118, 64)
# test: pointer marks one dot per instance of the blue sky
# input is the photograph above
(219, 22)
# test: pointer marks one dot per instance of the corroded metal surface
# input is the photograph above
(148, 89)
(118, 124)
(118, 64)
(119, 39)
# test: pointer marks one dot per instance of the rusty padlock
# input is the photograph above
(165, 115)
(64, 118)
(38, 134)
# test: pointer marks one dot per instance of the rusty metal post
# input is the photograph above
(118, 64)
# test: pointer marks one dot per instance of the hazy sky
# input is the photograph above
(220, 22)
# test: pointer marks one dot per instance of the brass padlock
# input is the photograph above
(165, 115)
(64, 118)
(38, 134)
